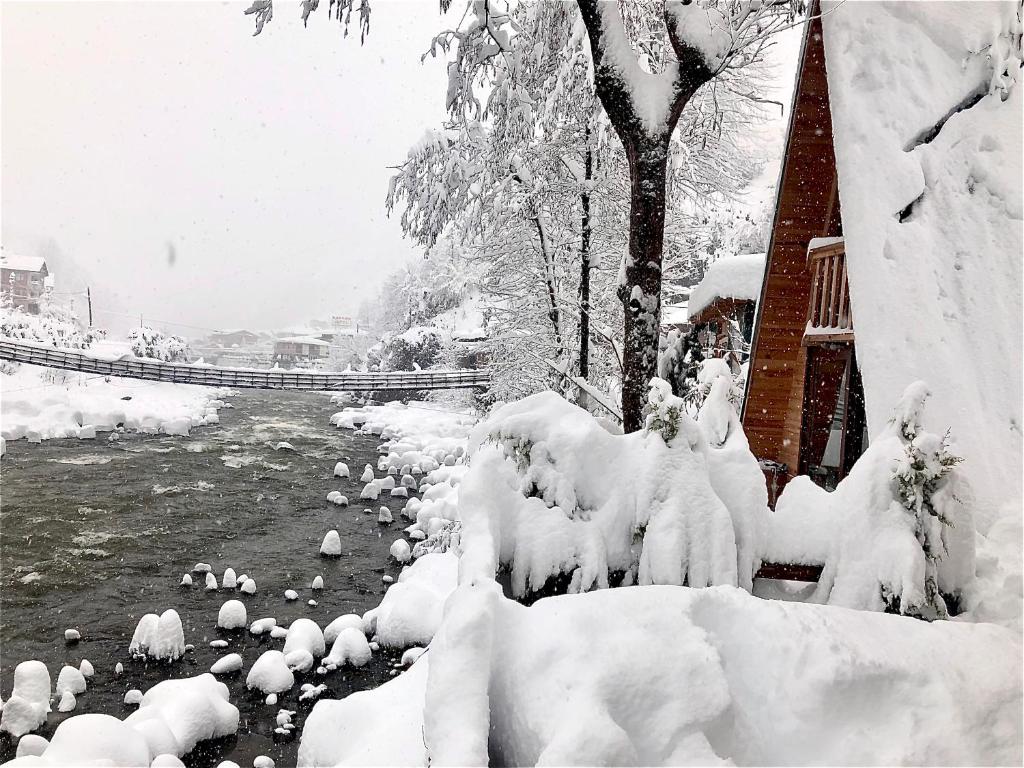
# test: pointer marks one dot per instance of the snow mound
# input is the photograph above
(349, 648)
(381, 727)
(411, 610)
(304, 634)
(226, 664)
(332, 630)
(696, 692)
(331, 545)
(159, 637)
(29, 703)
(270, 674)
(341, 469)
(70, 680)
(231, 615)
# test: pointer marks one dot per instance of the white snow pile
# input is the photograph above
(729, 277)
(29, 703)
(231, 615)
(350, 647)
(412, 608)
(33, 406)
(550, 491)
(928, 154)
(172, 718)
(159, 637)
(694, 688)
(270, 673)
(380, 727)
(332, 630)
(331, 545)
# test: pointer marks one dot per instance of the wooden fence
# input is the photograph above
(182, 373)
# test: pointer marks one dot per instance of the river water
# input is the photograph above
(94, 534)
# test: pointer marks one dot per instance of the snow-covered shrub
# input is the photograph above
(897, 534)
(416, 348)
(550, 491)
(149, 342)
(53, 326)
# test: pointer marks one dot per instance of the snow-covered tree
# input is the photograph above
(648, 59)
(151, 343)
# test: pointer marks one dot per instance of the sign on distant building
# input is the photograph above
(342, 321)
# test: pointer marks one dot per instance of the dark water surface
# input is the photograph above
(94, 534)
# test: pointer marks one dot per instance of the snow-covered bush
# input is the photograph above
(149, 342)
(53, 327)
(416, 348)
(550, 491)
(897, 534)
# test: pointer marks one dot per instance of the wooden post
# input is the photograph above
(88, 297)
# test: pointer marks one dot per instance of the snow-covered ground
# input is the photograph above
(42, 403)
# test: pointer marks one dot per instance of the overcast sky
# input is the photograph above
(194, 174)
(134, 130)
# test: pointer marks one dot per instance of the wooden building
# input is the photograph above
(803, 412)
(23, 279)
(722, 306)
(293, 350)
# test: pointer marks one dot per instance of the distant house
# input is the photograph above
(24, 280)
(881, 272)
(234, 338)
(293, 350)
(722, 306)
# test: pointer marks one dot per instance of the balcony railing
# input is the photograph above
(828, 316)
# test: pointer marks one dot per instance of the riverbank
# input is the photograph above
(46, 404)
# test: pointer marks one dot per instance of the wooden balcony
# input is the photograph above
(828, 314)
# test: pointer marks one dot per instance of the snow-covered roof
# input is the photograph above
(674, 314)
(23, 263)
(310, 340)
(731, 277)
(928, 155)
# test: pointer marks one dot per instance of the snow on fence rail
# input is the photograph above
(182, 373)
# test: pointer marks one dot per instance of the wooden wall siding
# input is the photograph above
(807, 207)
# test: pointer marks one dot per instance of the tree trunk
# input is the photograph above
(554, 313)
(585, 264)
(641, 294)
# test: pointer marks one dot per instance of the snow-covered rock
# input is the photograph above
(299, 660)
(341, 470)
(232, 615)
(367, 476)
(401, 551)
(70, 679)
(370, 491)
(72, 635)
(211, 582)
(399, 493)
(305, 634)
(260, 626)
(29, 703)
(226, 664)
(386, 483)
(412, 655)
(67, 703)
(331, 545)
(384, 515)
(133, 697)
(229, 580)
(291, 594)
(202, 568)
(186, 580)
(270, 674)
(332, 630)
(248, 586)
(159, 637)
(350, 647)
(31, 745)
(318, 582)
(86, 668)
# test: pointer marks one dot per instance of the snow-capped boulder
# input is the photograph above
(70, 679)
(370, 491)
(350, 648)
(291, 594)
(67, 703)
(29, 704)
(270, 674)
(260, 626)
(386, 483)
(401, 551)
(229, 580)
(72, 636)
(249, 586)
(331, 546)
(411, 655)
(211, 582)
(226, 664)
(318, 582)
(305, 634)
(384, 515)
(31, 745)
(186, 580)
(332, 630)
(86, 668)
(159, 637)
(341, 469)
(232, 615)
(299, 660)
(367, 476)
